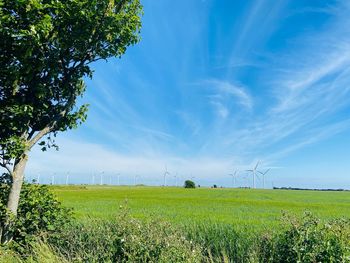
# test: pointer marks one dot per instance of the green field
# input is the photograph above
(242, 207)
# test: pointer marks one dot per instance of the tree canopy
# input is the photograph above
(46, 49)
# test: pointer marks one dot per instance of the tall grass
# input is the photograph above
(126, 239)
(222, 242)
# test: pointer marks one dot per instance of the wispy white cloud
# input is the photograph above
(82, 159)
(226, 90)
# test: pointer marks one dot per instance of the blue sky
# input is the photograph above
(215, 86)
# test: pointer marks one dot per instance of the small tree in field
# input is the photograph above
(189, 184)
(46, 48)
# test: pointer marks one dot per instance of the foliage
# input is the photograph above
(125, 240)
(39, 213)
(308, 240)
(189, 184)
(222, 241)
(46, 49)
(38, 252)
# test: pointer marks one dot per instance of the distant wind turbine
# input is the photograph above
(175, 179)
(101, 177)
(118, 174)
(53, 178)
(263, 175)
(253, 171)
(67, 178)
(234, 178)
(93, 178)
(135, 178)
(165, 174)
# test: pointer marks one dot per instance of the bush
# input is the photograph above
(39, 213)
(125, 240)
(308, 240)
(189, 184)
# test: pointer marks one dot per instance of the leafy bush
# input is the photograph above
(39, 212)
(308, 240)
(189, 184)
(125, 240)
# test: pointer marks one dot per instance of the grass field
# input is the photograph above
(241, 207)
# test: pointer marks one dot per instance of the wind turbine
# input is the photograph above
(263, 175)
(175, 179)
(53, 179)
(67, 178)
(118, 174)
(135, 178)
(93, 178)
(254, 173)
(101, 177)
(38, 179)
(165, 174)
(234, 178)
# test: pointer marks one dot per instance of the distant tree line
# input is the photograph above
(309, 189)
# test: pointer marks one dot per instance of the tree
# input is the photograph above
(46, 49)
(189, 184)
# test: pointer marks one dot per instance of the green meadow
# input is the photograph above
(241, 207)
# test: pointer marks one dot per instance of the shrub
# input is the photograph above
(308, 240)
(189, 184)
(125, 240)
(39, 213)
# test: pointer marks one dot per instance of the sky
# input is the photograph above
(214, 87)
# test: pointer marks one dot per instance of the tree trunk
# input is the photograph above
(13, 200)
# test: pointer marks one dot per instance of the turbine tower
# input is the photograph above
(165, 174)
(234, 178)
(175, 176)
(53, 179)
(93, 178)
(118, 174)
(263, 175)
(253, 171)
(135, 178)
(67, 178)
(101, 177)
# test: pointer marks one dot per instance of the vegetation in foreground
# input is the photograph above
(127, 239)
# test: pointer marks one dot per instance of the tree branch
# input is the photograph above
(38, 136)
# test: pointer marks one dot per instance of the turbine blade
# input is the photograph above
(257, 164)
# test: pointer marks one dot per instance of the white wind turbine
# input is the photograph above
(101, 177)
(118, 174)
(165, 174)
(234, 178)
(253, 171)
(67, 178)
(53, 178)
(175, 176)
(135, 178)
(263, 175)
